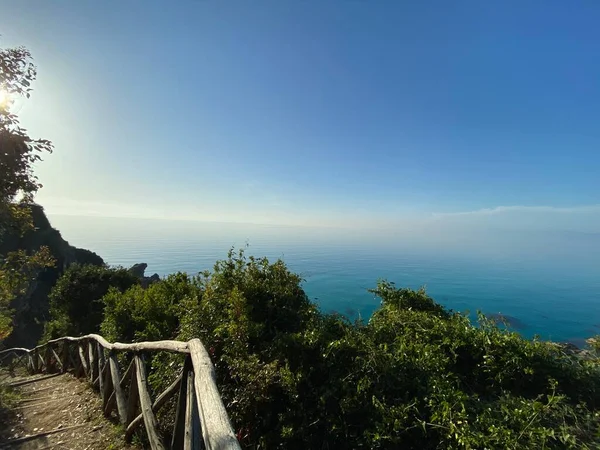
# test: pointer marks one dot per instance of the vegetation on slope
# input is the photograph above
(414, 376)
(76, 306)
(18, 184)
(30, 305)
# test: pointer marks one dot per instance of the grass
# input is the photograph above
(9, 397)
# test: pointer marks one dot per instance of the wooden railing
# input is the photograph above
(200, 417)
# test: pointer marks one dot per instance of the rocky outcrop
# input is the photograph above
(139, 270)
(571, 349)
(31, 310)
(505, 320)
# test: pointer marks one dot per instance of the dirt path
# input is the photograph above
(58, 412)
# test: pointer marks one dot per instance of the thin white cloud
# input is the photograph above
(523, 209)
(273, 210)
(275, 213)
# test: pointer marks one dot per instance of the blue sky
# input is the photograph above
(369, 113)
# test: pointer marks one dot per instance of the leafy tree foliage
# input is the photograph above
(18, 271)
(19, 150)
(18, 184)
(76, 306)
(415, 376)
(146, 314)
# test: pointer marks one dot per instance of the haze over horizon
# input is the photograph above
(469, 115)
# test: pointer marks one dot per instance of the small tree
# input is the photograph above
(18, 183)
(76, 305)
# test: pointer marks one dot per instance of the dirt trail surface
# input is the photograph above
(57, 412)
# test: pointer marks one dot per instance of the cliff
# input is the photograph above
(31, 310)
(139, 271)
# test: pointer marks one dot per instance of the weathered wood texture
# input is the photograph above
(193, 433)
(118, 390)
(179, 428)
(216, 428)
(133, 399)
(201, 421)
(158, 403)
(146, 406)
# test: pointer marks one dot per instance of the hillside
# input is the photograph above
(31, 309)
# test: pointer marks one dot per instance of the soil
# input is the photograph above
(57, 412)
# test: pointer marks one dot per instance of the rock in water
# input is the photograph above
(138, 270)
(510, 321)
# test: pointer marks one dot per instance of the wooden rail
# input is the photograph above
(201, 421)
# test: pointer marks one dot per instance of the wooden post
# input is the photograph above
(101, 367)
(116, 381)
(48, 358)
(146, 406)
(93, 363)
(82, 357)
(133, 398)
(158, 403)
(57, 359)
(76, 363)
(74, 360)
(107, 389)
(34, 356)
(100, 381)
(182, 399)
(193, 433)
(65, 356)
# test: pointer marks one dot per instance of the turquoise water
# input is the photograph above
(550, 285)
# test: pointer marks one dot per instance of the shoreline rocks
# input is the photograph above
(139, 270)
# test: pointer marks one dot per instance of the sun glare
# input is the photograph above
(3, 98)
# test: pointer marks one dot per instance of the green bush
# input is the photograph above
(415, 376)
(76, 306)
(140, 314)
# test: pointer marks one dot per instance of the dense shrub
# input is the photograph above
(76, 305)
(415, 376)
(140, 314)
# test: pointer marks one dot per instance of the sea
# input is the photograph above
(544, 284)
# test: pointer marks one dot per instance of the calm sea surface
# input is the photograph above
(549, 285)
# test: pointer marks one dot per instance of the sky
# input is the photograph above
(331, 113)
